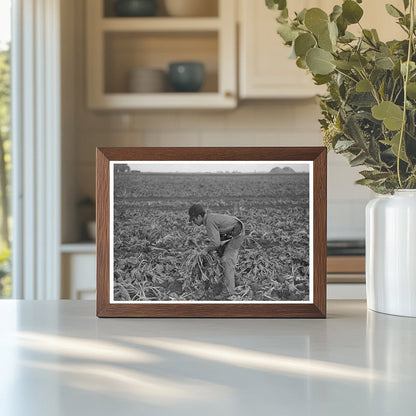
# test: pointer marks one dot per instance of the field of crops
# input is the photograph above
(157, 254)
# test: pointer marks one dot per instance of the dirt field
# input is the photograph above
(157, 253)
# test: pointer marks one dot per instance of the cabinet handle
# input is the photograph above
(229, 94)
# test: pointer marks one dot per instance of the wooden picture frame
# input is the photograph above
(112, 299)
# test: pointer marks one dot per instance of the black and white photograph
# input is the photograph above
(195, 231)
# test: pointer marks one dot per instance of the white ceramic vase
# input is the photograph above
(391, 253)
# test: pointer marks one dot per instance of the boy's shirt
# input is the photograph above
(217, 224)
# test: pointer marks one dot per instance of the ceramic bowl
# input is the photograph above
(135, 8)
(186, 76)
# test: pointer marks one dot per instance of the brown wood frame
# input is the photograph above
(317, 309)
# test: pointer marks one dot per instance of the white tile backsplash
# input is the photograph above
(147, 120)
(346, 219)
(215, 120)
(341, 180)
(170, 138)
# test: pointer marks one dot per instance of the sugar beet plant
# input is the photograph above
(369, 111)
(159, 256)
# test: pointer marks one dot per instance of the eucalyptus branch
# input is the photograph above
(392, 91)
(404, 28)
(346, 75)
(371, 64)
(406, 79)
(398, 95)
(373, 88)
(369, 40)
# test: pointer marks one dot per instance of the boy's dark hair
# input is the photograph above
(195, 210)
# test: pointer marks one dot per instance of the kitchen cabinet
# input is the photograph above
(265, 70)
(118, 45)
(78, 263)
(346, 277)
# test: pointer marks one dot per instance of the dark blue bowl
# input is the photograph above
(135, 8)
(186, 76)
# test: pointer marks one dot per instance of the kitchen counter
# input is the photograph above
(57, 358)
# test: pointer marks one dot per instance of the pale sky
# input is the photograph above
(5, 19)
(188, 166)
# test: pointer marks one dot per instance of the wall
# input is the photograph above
(253, 123)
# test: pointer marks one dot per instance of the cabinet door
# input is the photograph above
(78, 276)
(265, 68)
(266, 71)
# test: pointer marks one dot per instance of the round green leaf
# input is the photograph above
(344, 65)
(411, 90)
(324, 41)
(301, 15)
(342, 25)
(303, 43)
(316, 20)
(363, 86)
(328, 38)
(358, 61)
(319, 61)
(395, 144)
(336, 12)
(276, 4)
(287, 33)
(322, 79)
(333, 32)
(347, 37)
(384, 62)
(351, 11)
(301, 63)
(391, 114)
(412, 67)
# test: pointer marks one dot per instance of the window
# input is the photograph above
(5, 145)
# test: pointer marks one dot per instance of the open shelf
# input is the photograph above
(160, 24)
(86, 247)
(116, 46)
(127, 51)
(210, 9)
(167, 100)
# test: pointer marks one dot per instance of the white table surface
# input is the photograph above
(57, 358)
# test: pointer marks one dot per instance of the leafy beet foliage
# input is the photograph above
(158, 255)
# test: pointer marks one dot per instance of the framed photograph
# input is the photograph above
(211, 232)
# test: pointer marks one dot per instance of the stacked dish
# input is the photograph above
(147, 80)
(191, 8)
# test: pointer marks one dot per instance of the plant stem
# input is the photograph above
(373, 88)
(392, 91)
(406, 79)
(346, 75)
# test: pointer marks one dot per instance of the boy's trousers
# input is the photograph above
(229, 260)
